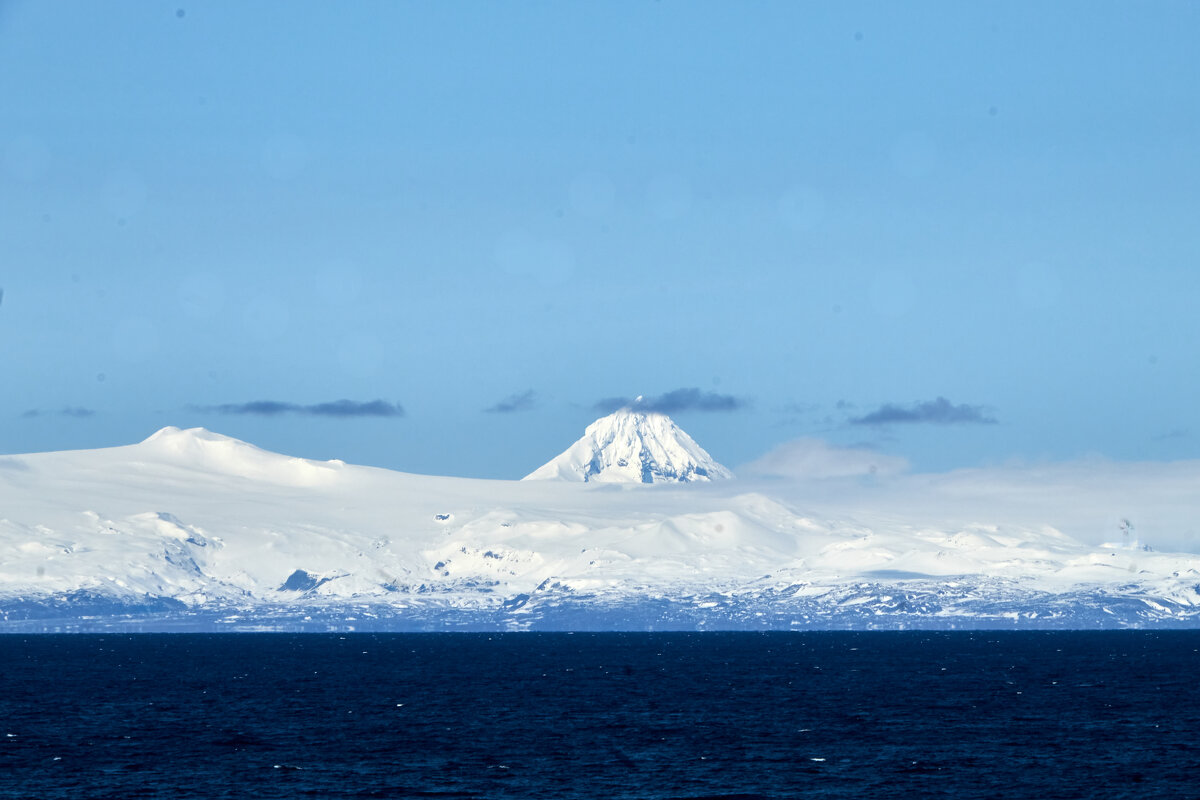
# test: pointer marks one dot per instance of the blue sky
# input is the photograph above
(960, 233)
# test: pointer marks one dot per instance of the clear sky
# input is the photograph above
(960, 233)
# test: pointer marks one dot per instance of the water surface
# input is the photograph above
(658, 715)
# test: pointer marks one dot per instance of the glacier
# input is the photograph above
(192, 530)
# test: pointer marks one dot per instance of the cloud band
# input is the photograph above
(340, 409)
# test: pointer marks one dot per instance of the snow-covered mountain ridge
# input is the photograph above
(193, 530)
(631, 446)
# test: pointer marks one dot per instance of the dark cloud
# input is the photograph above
(350, 408)
(940, 411)
(263, 408)
(608, 405)
(336, 408)
(68, 411)
(678, 400)
(515, 402)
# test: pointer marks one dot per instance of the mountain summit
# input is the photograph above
(631, 446)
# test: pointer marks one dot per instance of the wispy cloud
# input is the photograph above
(800, 408)
(940, 411)
(68, 411)
(335, 408)
(515, 402)
(816, 459)
(674, 401)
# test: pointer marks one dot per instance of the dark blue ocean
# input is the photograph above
(665, 715)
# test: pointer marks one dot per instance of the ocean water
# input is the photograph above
(670, 715)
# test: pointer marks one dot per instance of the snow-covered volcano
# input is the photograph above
(192, 530)
(631, 446)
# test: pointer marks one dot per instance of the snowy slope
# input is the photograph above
(632, 447)
(190, 529)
